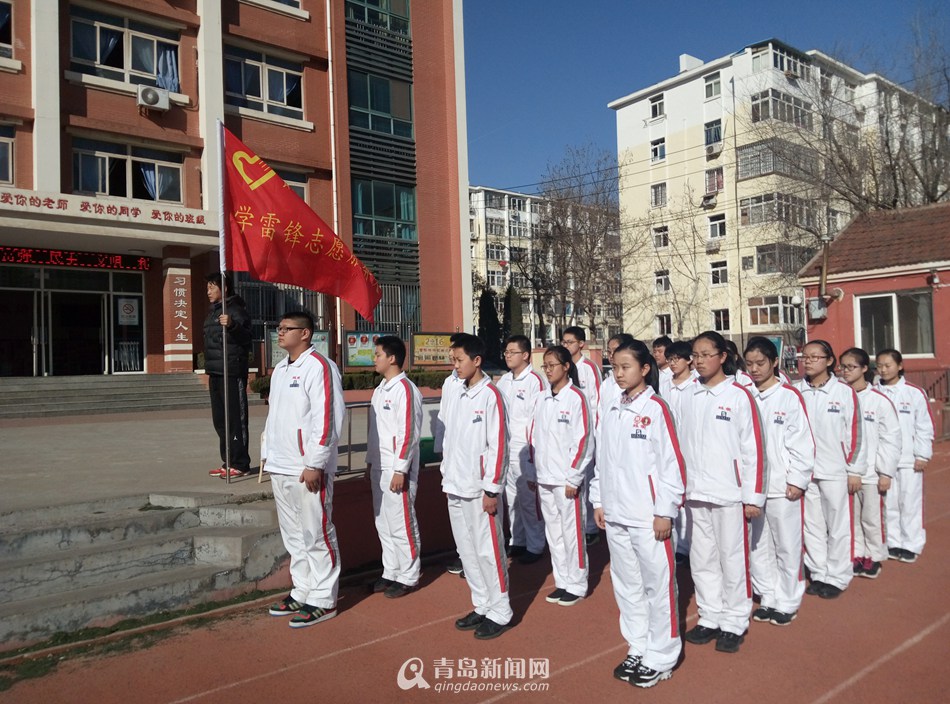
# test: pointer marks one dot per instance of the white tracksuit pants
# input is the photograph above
(590, 525)
(683, 529)
(719, 562)
(867, 516)
(306, 525)
(397, 528)
(775, 559)
(564, 521)
(643, 573)
(828, 540)
(524, 511)
(905, 511)
(479, 538)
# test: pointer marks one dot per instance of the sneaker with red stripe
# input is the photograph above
(218, 472)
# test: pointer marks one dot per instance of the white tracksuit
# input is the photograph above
(778, 574)
(521, 395)
(880, 452)
(905, 500)
(674, 397)
(836, 425)
(609, 392)
(562, 439)
(589, 377)
(393, 447)
(722, 441)
(303, 428)
(665, 380)
(640, 476)
(452, 386)
(475, 460)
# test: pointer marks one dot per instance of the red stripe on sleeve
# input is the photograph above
(583, 443)
(854, 427)
(757, 431)
(801, 400)
(674, 439)
(407, 439)
(501, 433)
(540, 380)
(327, 400)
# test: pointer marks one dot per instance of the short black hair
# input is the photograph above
(215, 278)
(524, 344)
(470, 344)
(662, 341)
(303, 318)
(680, 348)
(623, 338)
(577, 332)
(393, 346)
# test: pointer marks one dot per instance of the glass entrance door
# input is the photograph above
(76, 333)
(19, 333)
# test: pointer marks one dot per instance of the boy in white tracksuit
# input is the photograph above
(299, 450)
(393, 461)
(521, 388)
(905, 500)
(474, 463)
(640, 478)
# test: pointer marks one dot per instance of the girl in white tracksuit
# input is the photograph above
(905, 501)
(636, 492)
(725, 485)
(778, 574)
(835, 421)
(562, 445)
(880, 451)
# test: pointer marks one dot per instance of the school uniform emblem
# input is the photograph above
(638, 434)
(295, 382)
(520, 395)
(724, 413)
(834, 407)
(869, 416)
(564, 417)
(779, 418)
(904, 408)
(387, 405)
(642, 422)
(479, 417)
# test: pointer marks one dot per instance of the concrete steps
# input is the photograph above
(69, 567)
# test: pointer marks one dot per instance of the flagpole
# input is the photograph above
(338, 309)
(222, 265)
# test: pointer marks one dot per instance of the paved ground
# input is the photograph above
(882, 641)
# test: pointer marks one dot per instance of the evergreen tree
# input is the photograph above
(512, 322)
(489, 328)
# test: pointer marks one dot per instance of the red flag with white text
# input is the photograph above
(273, 235)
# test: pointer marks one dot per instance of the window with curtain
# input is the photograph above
(265, 83)
(7, 135)
(383, 209)
(122, 171)
(6, 30)
(380, 104)
(122, 49)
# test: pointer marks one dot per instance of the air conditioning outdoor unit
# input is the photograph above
(152, 98)
(709, 200)
(817, 310)
(714, 149)
(790, 75)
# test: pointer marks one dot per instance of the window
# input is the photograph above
(7, 135)
(774, 310)
(721, 320)
(661, 237)
(902, 320)
(781, 258)
(781, 106)
(776, 156)
(384, 14)
(664, 324)
(748, 263)
(658, 149)
(719, 273)
(264, 83)
(656, 106)
(849, 91)
(122, 49)
(777, 206)
(496, 278)
(290, 3)
(714, 181)
(713, 132)
(657, 195)
(517, 228)
(494, 226)
(383, 209)
(717, 226)
(713, 86)
(759, 57)
(495, 251)
(494, 200)
(516, 204)
(824, 79)
(791, 64)
(108, 169)
(833, 220)
(662, 280)
(519, 254)
(296, 181)
(380, 104)
(6, 30)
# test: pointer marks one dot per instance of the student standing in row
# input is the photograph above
(637, 490)
(836, 424)
(521, 388)
(725, 485)
(905, 501)
(880, 451)
(473, 467)
(609, 389)
(392, 461)
(452, 386)
(665, 374)
(776, 543)
(561, 444)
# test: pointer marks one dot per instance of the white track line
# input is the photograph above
(860, 674)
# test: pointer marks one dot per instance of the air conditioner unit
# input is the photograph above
(713, 246)
(709, 200)
(791, 75)
(817, 310)
(152, 98)
(714, 149)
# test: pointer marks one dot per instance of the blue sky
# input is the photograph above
(539, 73)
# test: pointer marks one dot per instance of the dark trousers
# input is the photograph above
(237, 412)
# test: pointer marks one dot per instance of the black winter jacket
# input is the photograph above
(239, 339)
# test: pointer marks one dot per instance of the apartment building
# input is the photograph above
(109, 166)
(726, 186)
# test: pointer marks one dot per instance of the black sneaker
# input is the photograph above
(516, 550)
(529, 558)
(645, 677)
(397, 589)
(555, 596)
(700, 635)
(470, 621)
(762, 614)
(729, 642)
(311, 615)
(592, 538)
(627, 669)
(894, 553)
(454, 567)
(908, 556)
(781, 619)
(872, 572)
(381, 585)
(829, 591)
(287, 606)
(857, 567)
(815, 587)
(488, 629)
(568, 599)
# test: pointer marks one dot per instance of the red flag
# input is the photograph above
(275, 236)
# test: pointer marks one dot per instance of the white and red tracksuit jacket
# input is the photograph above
(640, 473)
(521, 395)
(562, 438)
(394, 426)
(588, 376)
(789, 445)
(305, 417)
(917, 425)
(475, 452)
(881, 449)
(836, 424)
(452, 386)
